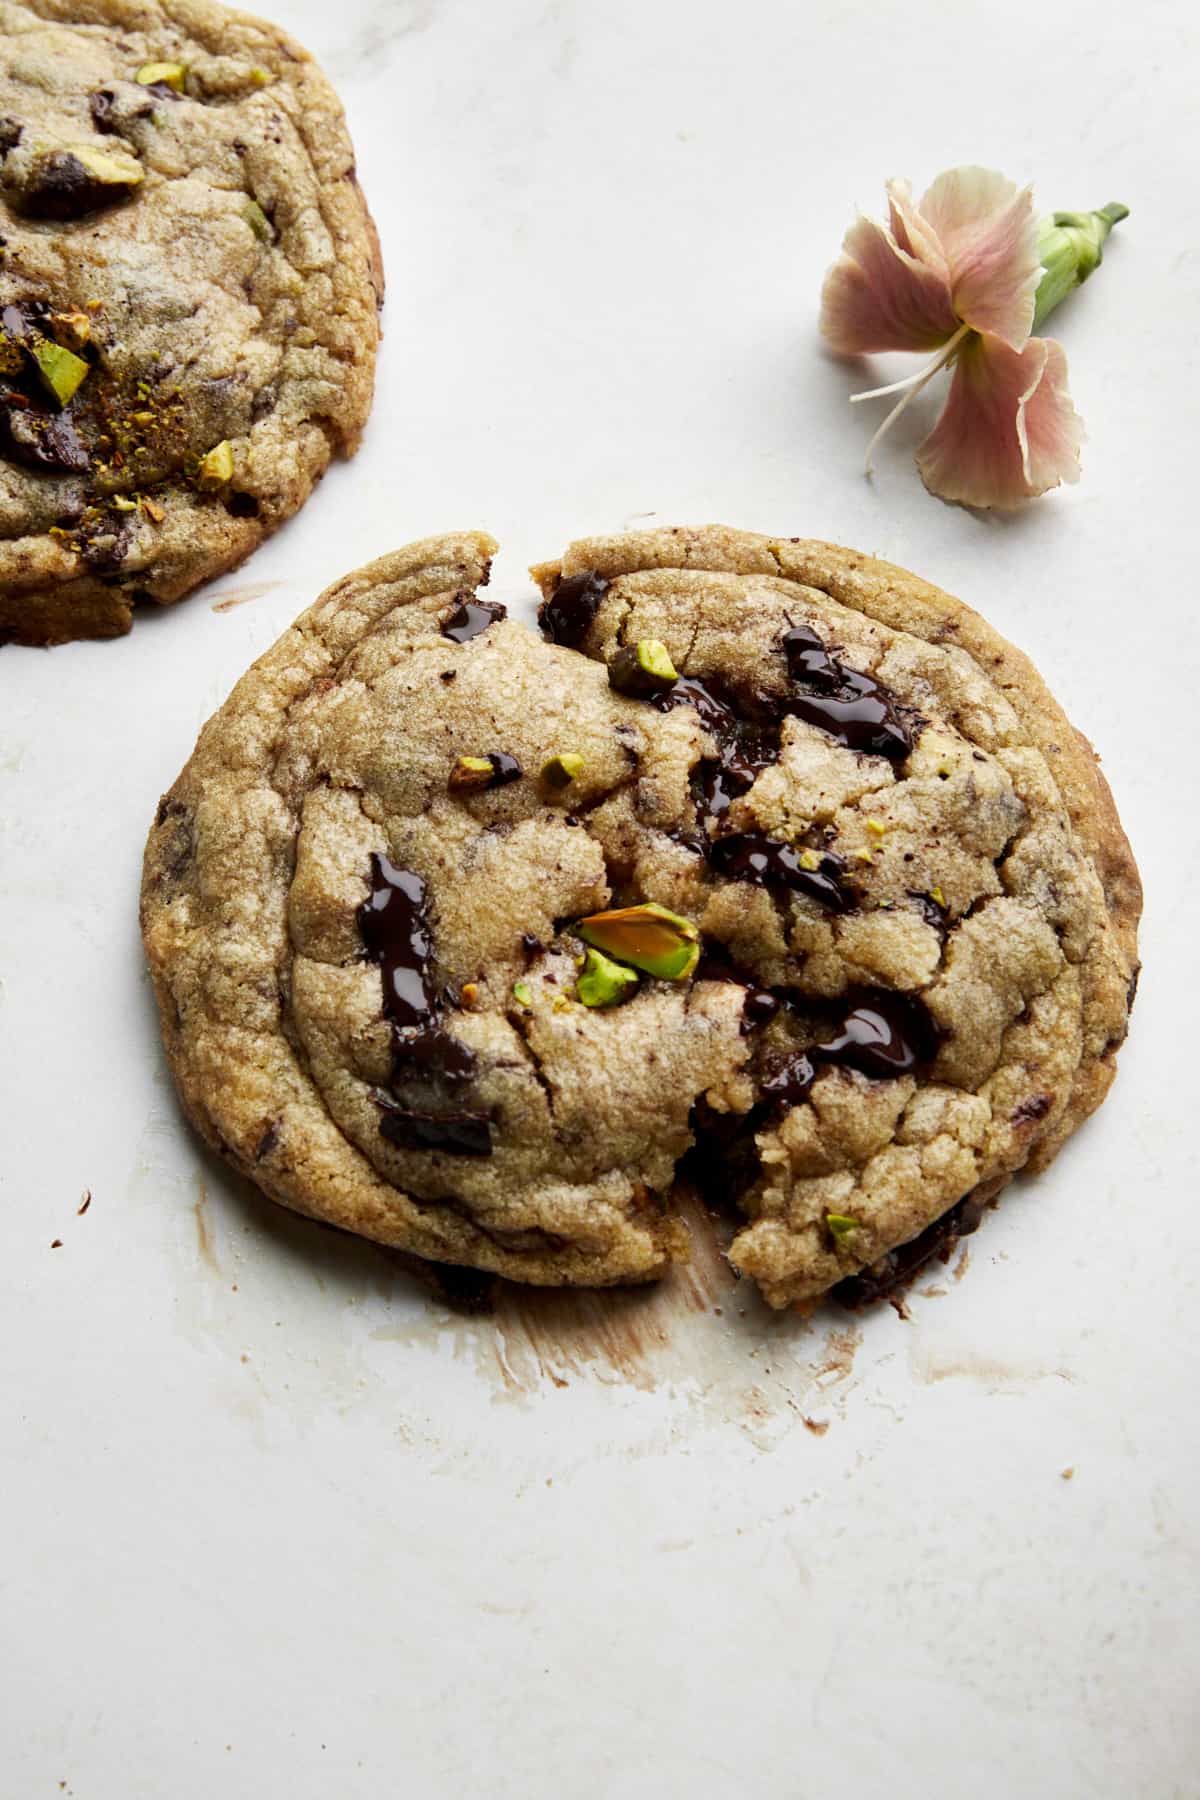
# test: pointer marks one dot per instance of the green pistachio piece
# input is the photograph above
(562, 770)
(603, 982)
(258, 221)
(647, 937)
(643, 668)
(61, 371)
(522, 993)
(162, 74)
(216, 468)
(71, 329)
(840, 1226)
(111, 168)
(472, 772)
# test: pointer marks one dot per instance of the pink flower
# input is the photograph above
(960, 274)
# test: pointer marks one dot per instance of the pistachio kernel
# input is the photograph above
(603, 982)
(261, 77)
(862, 856)
(562, 770)
(642, 669)
(123, 503)
(111, 168)
(522, 993)
(216, 467)
(257, 220)
(840, 1225)
(73, 330)
(162, 74)
(876, 827)
(808, 859)
(647, 937)
(60, 370)
(496, 769)
(937, 896)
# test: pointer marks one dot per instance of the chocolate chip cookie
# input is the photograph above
(764, 860)
(189, 291)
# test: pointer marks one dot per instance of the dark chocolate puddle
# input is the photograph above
(430, 1068)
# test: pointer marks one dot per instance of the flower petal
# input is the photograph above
(989, 235)
(879, 297)
(1008, 431)
(911, 231)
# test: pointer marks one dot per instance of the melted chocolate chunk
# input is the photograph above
(788, 1080)
(897, 1268)
(40, 439)
(566, 617)
(505, 768)
(471, 618)
(101, 104)
(746, 729)
(759, 1006)
(752, 856)
(429, 1066)
(883, 1035)
(395, 929)
(852, 707)
(62, 187)
(930, 911)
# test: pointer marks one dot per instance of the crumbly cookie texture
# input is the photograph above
(189, 294)
(875, 943)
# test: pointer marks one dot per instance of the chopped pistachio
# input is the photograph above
(216, 467)
(471, 772)
(61, 371)
(261, 77)
(258, 221)
(840, 1226)
(937, 896)
(469, 995)
(876, 827)
(162, 74)
(648, 937)
(73, 330)
(153, 511)
(563, 769)
(123, 503)
(808, 859)
(111, 168)
(604, 982)
(522, 993)
(863, 856)
(642, 668)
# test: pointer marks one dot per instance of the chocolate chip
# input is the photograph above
(470, 618)
(566, 617)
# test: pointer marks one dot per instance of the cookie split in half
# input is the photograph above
(189, 293)
(464, 937)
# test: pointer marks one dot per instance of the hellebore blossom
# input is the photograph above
(968, 273)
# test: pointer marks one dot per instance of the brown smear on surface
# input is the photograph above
(84, 1203)
(253, 590)
(204, 1239)
(556, 1334)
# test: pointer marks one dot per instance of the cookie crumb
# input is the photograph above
(84, 1203)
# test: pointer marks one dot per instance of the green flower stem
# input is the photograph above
(1071, 246)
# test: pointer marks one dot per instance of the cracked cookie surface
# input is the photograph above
(189, 294)
(898, 911)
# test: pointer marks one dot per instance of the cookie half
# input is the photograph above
(189, 293)
(464, 936)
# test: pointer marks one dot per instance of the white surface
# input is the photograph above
(272, 1524)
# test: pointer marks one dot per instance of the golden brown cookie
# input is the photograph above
(189, 292)
(463, 937)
